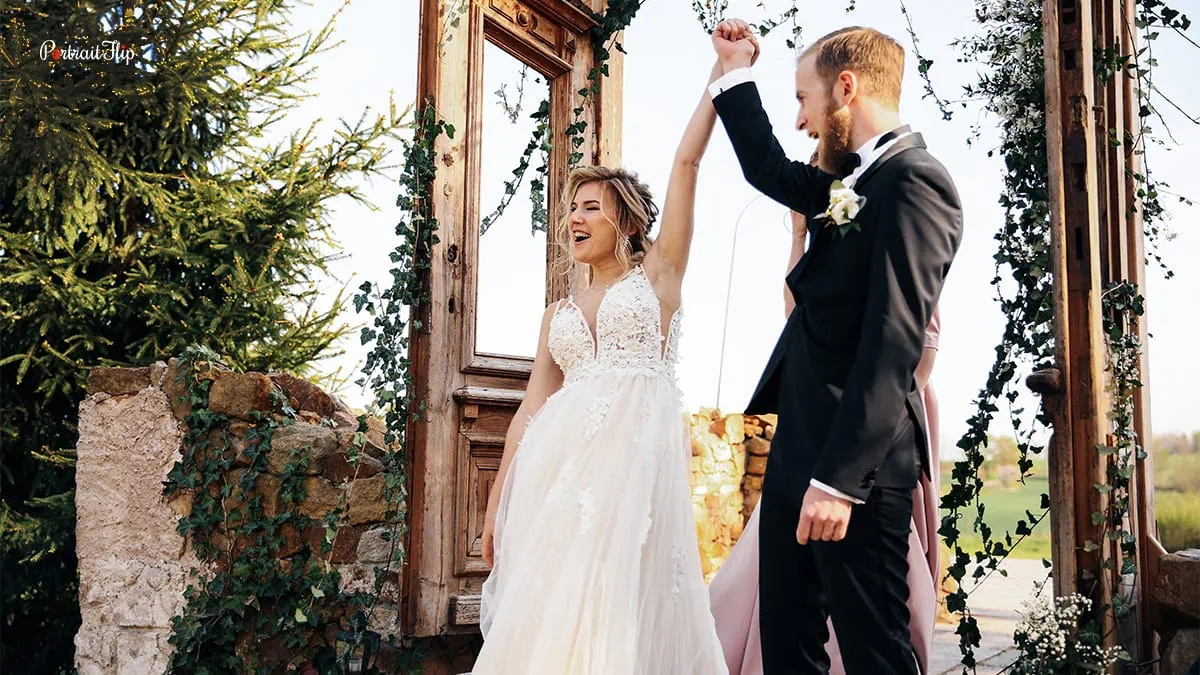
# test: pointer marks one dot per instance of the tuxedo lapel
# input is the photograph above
(910, 141)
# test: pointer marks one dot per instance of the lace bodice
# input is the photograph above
(628, 333)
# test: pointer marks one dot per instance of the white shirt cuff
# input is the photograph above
(835, 492)
(730, 80)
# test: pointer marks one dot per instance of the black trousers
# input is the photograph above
(861, 582)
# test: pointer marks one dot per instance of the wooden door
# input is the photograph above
(488, 288)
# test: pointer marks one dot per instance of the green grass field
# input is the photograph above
(1177, 512)
(1002, 509)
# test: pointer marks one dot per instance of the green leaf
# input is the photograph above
(300, 617)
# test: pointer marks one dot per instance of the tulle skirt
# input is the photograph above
(597, 568)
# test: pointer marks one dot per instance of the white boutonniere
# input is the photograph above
(844, 205)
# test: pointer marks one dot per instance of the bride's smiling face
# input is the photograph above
(592, 224)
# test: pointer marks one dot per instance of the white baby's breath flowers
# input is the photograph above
(1050, 641)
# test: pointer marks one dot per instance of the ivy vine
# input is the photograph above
(1013, 90)
(246, 596)
(397, 311)
(537, 188)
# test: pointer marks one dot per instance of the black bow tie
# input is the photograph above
(852, 160)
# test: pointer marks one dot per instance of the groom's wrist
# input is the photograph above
(732, 63)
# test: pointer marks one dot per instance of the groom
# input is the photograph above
(850, 443)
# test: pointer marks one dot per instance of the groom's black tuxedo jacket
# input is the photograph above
(841, 376)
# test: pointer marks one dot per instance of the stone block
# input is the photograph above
(126, 449)
(758, 446)
(240, 394)
(118, 381)
(266, 486)
(375, 546)
(1181, 653)
(756, 465)
(308, 396)
(177, 388)
(318, 443)
(1178, 584)
(338, 467)
(345, 542)
(320, 498)
(368, 503)
(345, 441)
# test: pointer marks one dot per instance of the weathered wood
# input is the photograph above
(611, 110)
(455, 450)
(444, 53)
(1119, 203)
(1045, 381)
(478, 462)
(464, 610)
(1145, 527)
(1060, 461)
(1070, 94)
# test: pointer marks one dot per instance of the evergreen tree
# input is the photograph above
(143, 210)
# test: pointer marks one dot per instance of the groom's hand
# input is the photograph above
(823, 517)
(735, 44)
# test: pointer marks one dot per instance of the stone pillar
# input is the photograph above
(133, 567)
(759, 430)
(717, 466)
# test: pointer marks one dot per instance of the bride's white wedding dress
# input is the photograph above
(597, 568)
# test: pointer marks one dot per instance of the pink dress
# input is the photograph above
(733, 593)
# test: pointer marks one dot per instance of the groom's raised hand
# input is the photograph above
(735, 44)
(823, 517)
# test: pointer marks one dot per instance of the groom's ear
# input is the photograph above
(846, 88)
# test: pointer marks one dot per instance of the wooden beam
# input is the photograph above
(1075, 235)
(1145, 527)
(430, 469)
(1060, 461)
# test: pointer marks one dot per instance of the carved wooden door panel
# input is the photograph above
(487, 66)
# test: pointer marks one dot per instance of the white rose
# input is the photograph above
(838, 211)
(852, 209)
(837, 195)
(844, 204)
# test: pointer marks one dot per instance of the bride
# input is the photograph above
(589, 529)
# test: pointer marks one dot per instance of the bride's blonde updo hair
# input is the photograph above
(634, 205)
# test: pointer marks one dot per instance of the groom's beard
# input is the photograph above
(835, 142)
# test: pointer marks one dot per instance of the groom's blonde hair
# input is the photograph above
(875, 57)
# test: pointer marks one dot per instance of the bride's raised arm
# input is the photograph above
(669, 254)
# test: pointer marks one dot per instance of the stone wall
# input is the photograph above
(133, 565)
(729, 456)
(1176, 593)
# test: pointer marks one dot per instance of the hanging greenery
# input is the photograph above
(537, 188)
(1013, 91)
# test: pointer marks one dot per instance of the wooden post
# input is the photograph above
(1075, 466)
(1142, 497)
(431, 469)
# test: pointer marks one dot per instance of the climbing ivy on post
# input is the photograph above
(396, 312)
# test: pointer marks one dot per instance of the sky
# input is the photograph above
(669, 57)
